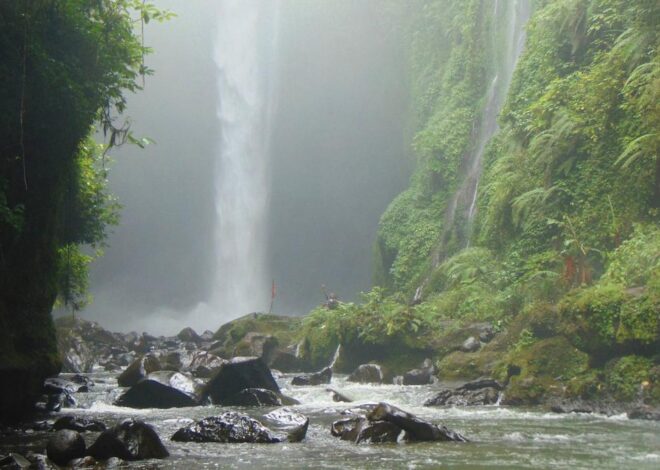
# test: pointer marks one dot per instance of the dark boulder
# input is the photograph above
(236, 375)
(416, 428)
(476, 393)
(229, 427)
(323, 376)
(77, 423)
(138, 370)
(129, 440)
(65, 445)
(578, 405)
(162, 389)
(367, 373)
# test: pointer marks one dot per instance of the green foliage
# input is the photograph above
(624, 377)
(72, 277)
(605, 320)
(637, 259)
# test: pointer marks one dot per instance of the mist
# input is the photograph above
(336, 157)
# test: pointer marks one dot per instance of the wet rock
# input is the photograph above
(487, 334)
(258, 345)
(171, 360)
(254, 397)
(478, 392)
(77, 423)
(421, 376)
(229, 427)
(207, 336)
(471, 344)
(360, 429)
(188, 335)
(162, 389)
(14, 461)
(65, 445)
(367, 373)
(236, 375)
(293, 423)
(56, 385)
(645, 412)
(324, 376)
(138, 370)
(129, 440)
(338, 397)
(203, 364)
(416, 428)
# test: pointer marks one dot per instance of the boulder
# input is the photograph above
(236, 375)
(416, 428)
(130, 440)
(138, 370)
(293, 423)
(228, 427)
(475, 393)
(65, 445)
(323, 376)
(79, 424)
(471, 344)
(367, 373)
(360, 429)
(162, 389)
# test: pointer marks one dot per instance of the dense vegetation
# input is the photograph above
(564, 255)
(64, 65)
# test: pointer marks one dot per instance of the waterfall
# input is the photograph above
(244, 54)
(516, 15)
(511, 18)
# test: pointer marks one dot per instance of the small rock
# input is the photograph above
(644, 412)
(138, 370)
(14, 461)
(338, 397)
(162, 389)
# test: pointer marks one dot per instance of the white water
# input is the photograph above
(244, 50)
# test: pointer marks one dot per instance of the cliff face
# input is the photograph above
(58, 70)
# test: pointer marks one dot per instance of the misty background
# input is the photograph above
(338, 157)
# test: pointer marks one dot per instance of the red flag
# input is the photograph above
(273, 291)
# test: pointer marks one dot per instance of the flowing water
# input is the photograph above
(244, 53)
(500, 437)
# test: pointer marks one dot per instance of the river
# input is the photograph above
(500, 437)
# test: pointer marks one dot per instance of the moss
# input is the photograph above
(628, 377)
(545, 366)
(606, 320)
(468, 366)
(229, 337)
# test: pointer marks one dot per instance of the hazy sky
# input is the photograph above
(338, 158)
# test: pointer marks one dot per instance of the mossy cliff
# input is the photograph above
(563, 255)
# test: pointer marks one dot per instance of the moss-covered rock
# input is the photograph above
(543, 370)
(607, 320)
(256, 334)
(630, 378)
